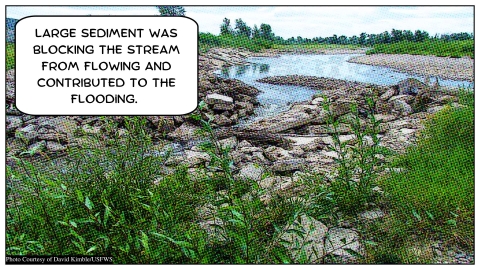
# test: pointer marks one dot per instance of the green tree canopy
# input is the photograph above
(225, 27)
(242, 28)
(266, 31)
(171, 10)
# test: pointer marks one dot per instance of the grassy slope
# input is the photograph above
(434, 199)
(430, 47)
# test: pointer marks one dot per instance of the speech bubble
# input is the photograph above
(106, 65)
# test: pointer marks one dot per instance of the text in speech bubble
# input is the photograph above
(110, 65)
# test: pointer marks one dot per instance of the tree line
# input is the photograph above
(265, 31)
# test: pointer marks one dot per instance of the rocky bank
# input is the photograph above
(287, 146)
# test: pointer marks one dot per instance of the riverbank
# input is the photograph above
(460, 69)
(267, 174)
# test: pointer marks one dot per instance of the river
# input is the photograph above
(276, 98)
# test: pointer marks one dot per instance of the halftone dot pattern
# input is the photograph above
(146, 190)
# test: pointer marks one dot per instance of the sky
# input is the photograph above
(286, 22)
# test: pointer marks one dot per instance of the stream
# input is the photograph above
(276, 98)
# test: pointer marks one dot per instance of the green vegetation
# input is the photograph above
(207, 40)
(358, 163)
(434, 198)
(114, 197)
(435, 195)
(171, 10)
(394, 42)
(10, 56)
(116, 201)
(429, 47)
(313, 46)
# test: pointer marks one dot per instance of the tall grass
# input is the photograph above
(115, 197)
(103, 202)
(441, 48)
(434, 198)
(10, 56)
(117, 200)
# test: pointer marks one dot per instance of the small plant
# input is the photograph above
(357, 160)
(103, 201)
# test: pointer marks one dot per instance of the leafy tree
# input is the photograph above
(225, 27)
(362, 40)
(420, 36)
(342, 40)
(408, 35)
(242, 28)
(396, 35)
(266, 31)
(171, 10)
(256, 32)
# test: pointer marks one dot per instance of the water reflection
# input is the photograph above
(264, 68)
(241, 71)
(275, 98)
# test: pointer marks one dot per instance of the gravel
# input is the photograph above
(458, 69)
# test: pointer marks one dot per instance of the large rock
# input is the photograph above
(55, 147)
(410, 86)
(251, 171)
(307, 144)
(385, 117)
(223, 107)
(222, 120)
(185, 132)
(274, 153)
(342, 106)
(194, 158)
(60, 124)
(13, 122)
(407, 98)
(343, 244)
(310, 241)
(161, 123)
(288, 165)
(230, 142)
(286, 120)
(326, 129)
(212, 99)
(28, 133)
(402, 107)
(387, 95)
(275, 183)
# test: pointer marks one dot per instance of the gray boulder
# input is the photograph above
(410, 86)
(252, 172)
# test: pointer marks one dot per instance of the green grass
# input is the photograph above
(207, 40)
(313, 46)
(454, 49)
(114, 198)
(10, 60)
(435, 197)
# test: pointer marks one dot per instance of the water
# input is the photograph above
(276, 98)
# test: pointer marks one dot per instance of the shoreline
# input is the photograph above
(456, 69)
